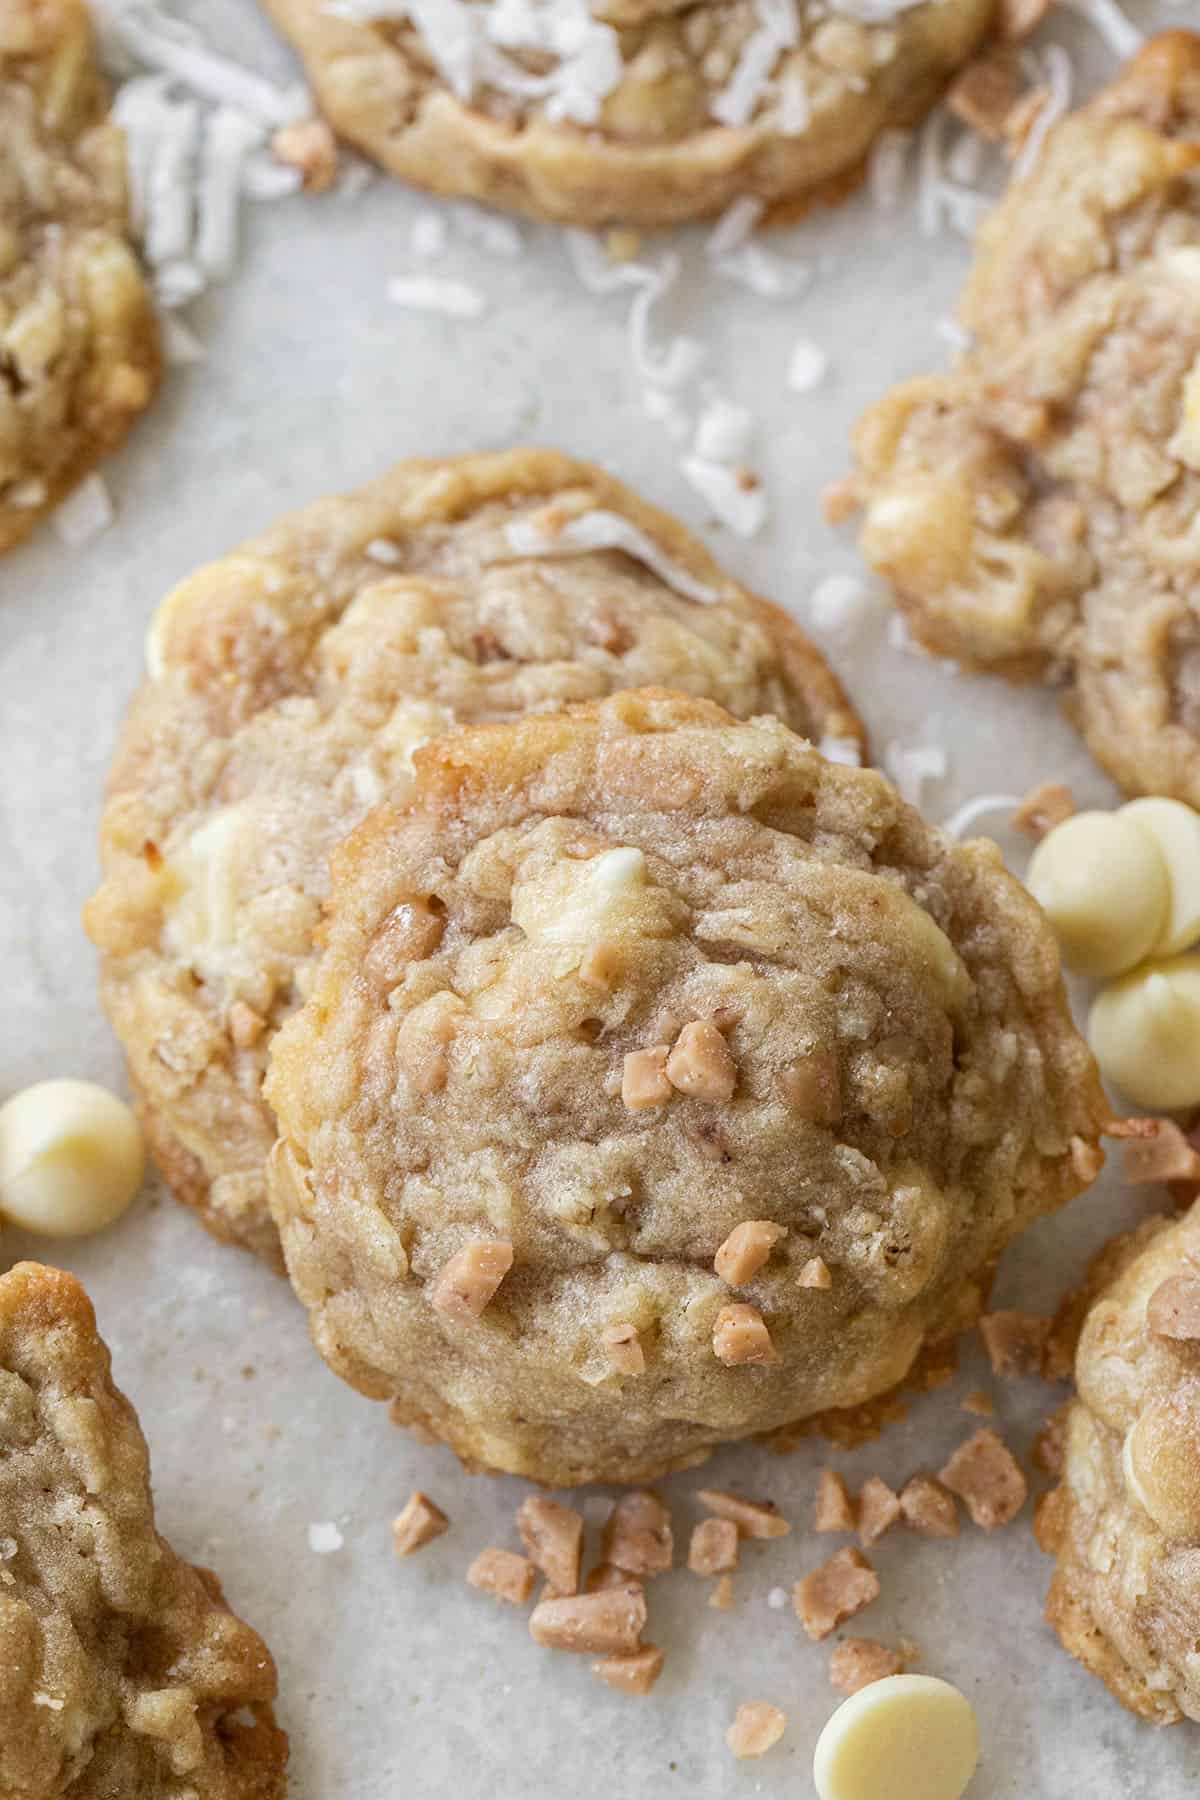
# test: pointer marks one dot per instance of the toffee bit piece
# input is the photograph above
(1173, 1310)
(721, 1597)
(714, 1547)
(1044, 808)
(815, 1274)
(928, 1507)
(701, 1063)
(1050, 1444)
(878, 1509)
(634, 1674)
(987, 1478)
(834, 1509)
(984, 95)
(753, 1518)
(979, 1403)
(837, 1590)
(638, 1537)
(606, 1575)
(1168, 1155)
(310, 146)
(812, 1087)
(605, 1624)
(740, 1336)
(746, 1249)
(503, 1573)
(418, 1523)
(624, 1346)
(757, 1725)
(857, 1662)
(466, 1283)
(1015, 1342)
(644, 1078)
(553, 1537)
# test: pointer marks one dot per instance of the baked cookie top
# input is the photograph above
(122, 1671)
(79, 354)
(622, 988)
(1125, 1523)
(646, 112)
(1034, 508)
(289, 684)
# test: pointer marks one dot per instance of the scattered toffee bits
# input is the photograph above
(633, 1674)
(638, 1536)
(878, 1510)
(836, 1591)
(418, 1523)
(465, 1285)
(609, 1623)
(857, 1662)
(928, 1507)
(757, 1727)
(1015, 1342)
(714, 1547)
(987, 1478)
(753, 1518)
(553, 1540)
(833, 1509)
(503, 1574)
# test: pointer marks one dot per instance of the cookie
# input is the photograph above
(1125, 1522)
(122, 1670)
(662, 1083)
(641, 112)
(289, 684)
(1034, 508)
(79, 353)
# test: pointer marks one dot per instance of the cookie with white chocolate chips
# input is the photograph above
(857, 1033)
(79, 354)
(1034, 508)
(637, 112)
(288, 685)
(1125, 1522)
(123, 1672)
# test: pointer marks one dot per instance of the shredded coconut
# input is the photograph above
(1055, 69)
(769, 276)
(675, 363)
(777, 1599)
(230, 137)
(324, 1538)
(1120, 34)
(840, 603)
(737, 499)
(151, 38)
(961, 821)
(887, 167)
(487, 231)
(85, 513)
(429, 235)
(807, 366)
(666, 411)
(734, 227)
(180, 344)
(600, 530)
(846, 751)
(382, 550)
(723, 432)
(930, 160)
(428, 293)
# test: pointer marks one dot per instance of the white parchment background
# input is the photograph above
(396, 1679)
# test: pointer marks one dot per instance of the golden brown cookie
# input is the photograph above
(627, 1017)
(1034, 509)
(79, 356)
(1125, 1523)
(289, 684)
(645, 112)
(122, 1671)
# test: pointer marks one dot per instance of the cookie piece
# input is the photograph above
(674, 972)
(122, 1670)
(79, 354)
(1125, 1522)
(289, 684)
(641, 112)
(1034, 508)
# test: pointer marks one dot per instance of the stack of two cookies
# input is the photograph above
(620, 1074)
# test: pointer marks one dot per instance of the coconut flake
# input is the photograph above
(181, 346)
(230, 137)
(723, 432)
(769, 276)
(324, 1537)
(778, 30)
(1055, 69)
(777, 1599)
(665, 409)
(843, 750)
(601, 530)
(911, 766)
(840, 603)
(431, 294)
(807, 366)
(85, 513)
(1119, 32)
(264, 177)
(597, 271)
(965, 816)
(794, 115)
(153, 39)
(487, 231)
(680, 357)
(382, 550)
(966, 159)
(177, 283)
(930, 154)
(429, 235)
(886, 168)
(734, 227)
(737, 499)
(964, 208)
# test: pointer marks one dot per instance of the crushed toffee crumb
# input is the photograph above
(928, 1507)
(987, 1478)
(1015, 1342)
(605, 1624)
(714, 1547)
(635, 1673)
(753, 1518)
(553, 1539)
(638, 1537)
(833, 1509)
(857, 1662)
(878, 1510)
(504, 1574)
(757, 1725)
(417, 1523)
(834, 1592)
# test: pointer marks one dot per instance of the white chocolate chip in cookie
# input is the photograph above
(904, 1735)
(576, 902)
(1185, 445)
(1175, 828)
(1103, 884)
(203, 919)
(71, 1158)
(1145, 1033)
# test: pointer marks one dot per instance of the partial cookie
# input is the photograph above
(1034, 509)
(625, 1019)
(642, 112)
(1125, 1523)
(79, 355)
(288, 687)
(122, 1671)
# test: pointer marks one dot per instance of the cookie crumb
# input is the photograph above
(553, 1539)
(833, 1509)
(753, 1518)
(1167, 1155)
(878, 1510)
(834, 1592)
(1015, 1342)
(857, 1662)
(740, 1336)
(466, 1284)
(722, 1595)
(987, 1478)
(928, 1507)
(979, 1403)
(503, 1574)
(757, 1725)
(624, 1346)
(746, 1249)
(417, 1523)
(607, 1624)
(815, 1274)
(714, 1547)
(638, 1537)
(633, 1674)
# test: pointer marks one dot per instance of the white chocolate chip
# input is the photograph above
(71, 1158)
(1145, 1033)
(907, 1734)
(202, 921)
(576, 902)
(1185, 444)
(1102, 882)
(1175, 829)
